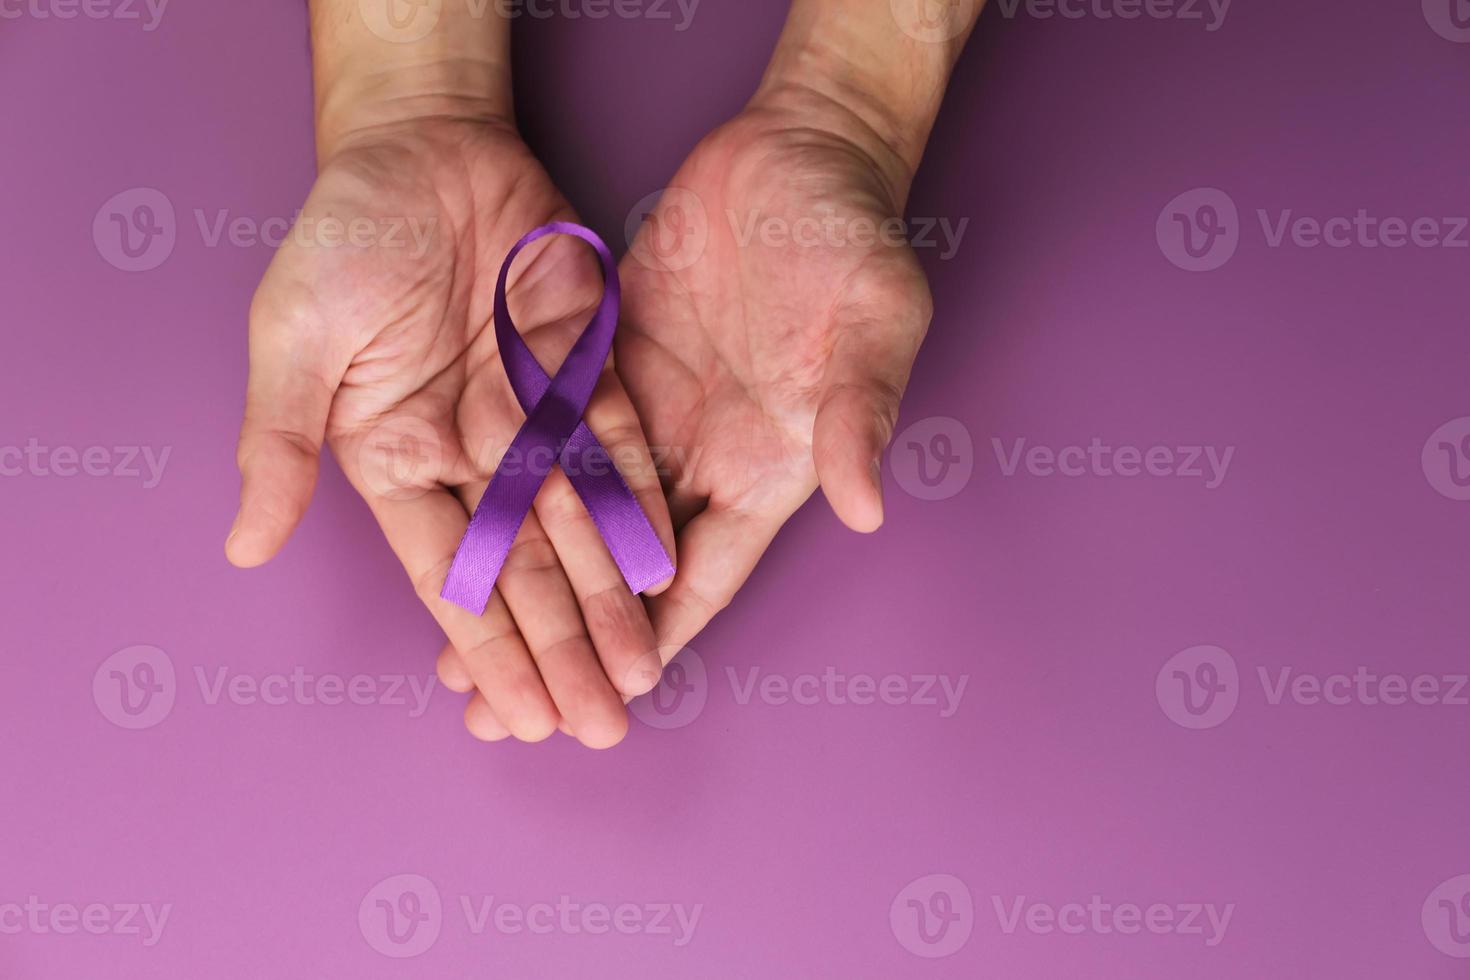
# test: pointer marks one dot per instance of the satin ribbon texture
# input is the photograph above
(554, 430)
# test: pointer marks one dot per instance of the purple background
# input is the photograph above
(1060, 599)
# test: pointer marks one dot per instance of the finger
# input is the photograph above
(852, 428)
(856, 414)
(480, 719)
(293, 376)
(544, 606)
(452, 671)
(552, 299)
(616, 619)
(424, 532)
(717, 551)
(454, 676)
(613, 419)
(685, 503)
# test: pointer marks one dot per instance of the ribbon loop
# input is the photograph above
(554, 430)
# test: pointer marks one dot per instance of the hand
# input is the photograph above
(772, 308)
(768, 348)
(384, 343)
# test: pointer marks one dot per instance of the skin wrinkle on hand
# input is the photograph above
(738, 469)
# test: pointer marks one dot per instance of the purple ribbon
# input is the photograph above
(554, 430)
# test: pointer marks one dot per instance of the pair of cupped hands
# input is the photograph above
(760, 368)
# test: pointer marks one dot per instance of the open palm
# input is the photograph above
(769, 329)
(372, 330)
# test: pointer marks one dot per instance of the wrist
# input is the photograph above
(862, 62)
(356, 107)
(371, 77)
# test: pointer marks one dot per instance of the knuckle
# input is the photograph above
(427, 585)
(709, 601)
(277, 309)
(531, 554)
(619, 434)
(561, 510)
(614, 613)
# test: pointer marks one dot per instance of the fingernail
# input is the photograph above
(456, 678)
(644, 674)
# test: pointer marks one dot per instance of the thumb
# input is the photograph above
(854, 423)
(856, 414)
(286, 403)
(867, 371)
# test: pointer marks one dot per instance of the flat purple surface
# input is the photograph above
(1079, 765)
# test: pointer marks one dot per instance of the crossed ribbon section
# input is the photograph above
(554, 430)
